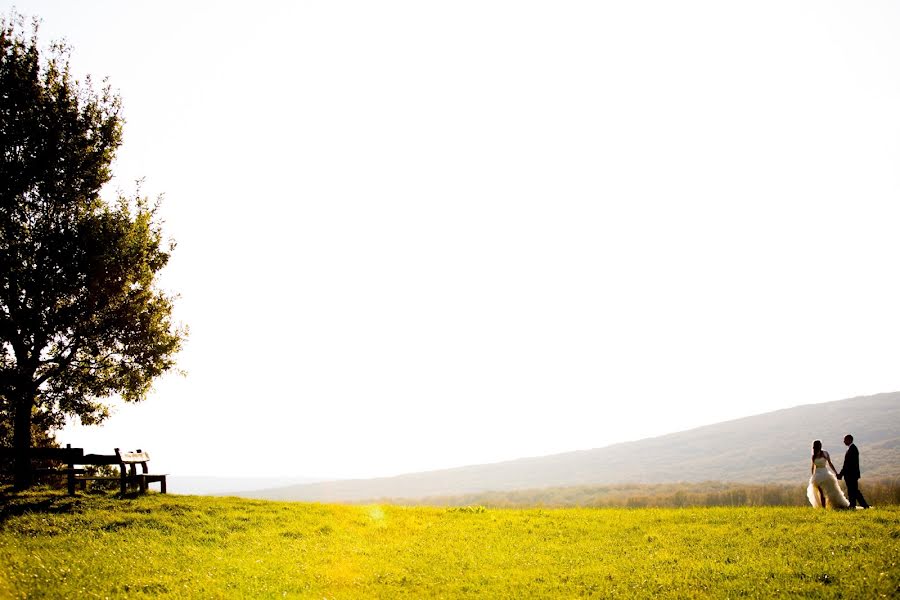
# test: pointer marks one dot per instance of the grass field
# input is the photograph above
(52, 546)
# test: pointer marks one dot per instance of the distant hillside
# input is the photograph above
(772, 447)
(222, 486)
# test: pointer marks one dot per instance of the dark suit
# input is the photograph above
(850, 473)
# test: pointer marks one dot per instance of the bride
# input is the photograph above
(823, 487)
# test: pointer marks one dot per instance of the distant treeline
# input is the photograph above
(670, 495)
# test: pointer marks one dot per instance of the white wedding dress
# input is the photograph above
(825, 479)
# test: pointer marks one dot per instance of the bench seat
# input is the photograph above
(83, 479)
(143, 479)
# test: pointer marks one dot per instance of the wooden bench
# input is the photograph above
(101, 460)
(143, 479)
(69, 456)
(128, 476)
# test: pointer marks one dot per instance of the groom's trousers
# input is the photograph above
(854, 493)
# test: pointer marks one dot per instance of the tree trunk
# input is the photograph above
(22, 473)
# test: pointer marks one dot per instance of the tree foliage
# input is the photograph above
(81, 317)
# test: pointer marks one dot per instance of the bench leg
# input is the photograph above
(162, 485)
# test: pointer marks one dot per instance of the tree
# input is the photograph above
(81, 317)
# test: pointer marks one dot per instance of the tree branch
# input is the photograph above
(60, 364)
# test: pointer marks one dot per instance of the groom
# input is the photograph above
(850, 473)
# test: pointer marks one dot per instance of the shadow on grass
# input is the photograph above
(47, 501)
(14, 504)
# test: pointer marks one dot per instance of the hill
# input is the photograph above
(768, 448)
(199, 485)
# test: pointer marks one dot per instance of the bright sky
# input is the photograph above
(415, 235)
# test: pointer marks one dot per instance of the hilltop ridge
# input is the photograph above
(771, 447)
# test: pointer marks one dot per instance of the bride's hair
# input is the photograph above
(817, 446)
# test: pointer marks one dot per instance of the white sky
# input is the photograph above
(415, 235)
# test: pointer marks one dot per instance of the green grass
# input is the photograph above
(177, 546)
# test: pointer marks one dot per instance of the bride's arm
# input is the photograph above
(828, 458)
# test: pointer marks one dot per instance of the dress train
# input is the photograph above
(825, 479)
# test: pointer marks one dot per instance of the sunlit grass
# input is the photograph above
(176, 546)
